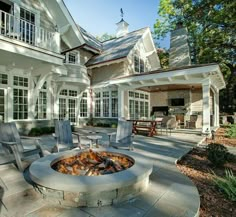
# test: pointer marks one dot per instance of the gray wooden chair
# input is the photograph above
(14, 151)
(63, 135)
(124, 135)
(168, 123)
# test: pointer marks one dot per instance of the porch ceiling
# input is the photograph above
(184, 77)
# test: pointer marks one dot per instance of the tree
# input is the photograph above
(164, 57)
(105, 37)
(211, 26)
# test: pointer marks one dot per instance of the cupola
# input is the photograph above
(122, 26)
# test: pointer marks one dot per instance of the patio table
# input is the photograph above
(94, 139)
(148, 126)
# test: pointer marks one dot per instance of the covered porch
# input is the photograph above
(189, 93)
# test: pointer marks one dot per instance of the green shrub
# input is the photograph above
(47, 130)
(226, 184)
(113, 125)
(35, 132)
(40, 131)
(231, 131)
(217, 154)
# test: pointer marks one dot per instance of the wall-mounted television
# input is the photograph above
(177, 102)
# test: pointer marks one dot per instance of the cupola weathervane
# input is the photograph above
(122, 13)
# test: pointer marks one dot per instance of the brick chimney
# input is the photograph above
(179, 47)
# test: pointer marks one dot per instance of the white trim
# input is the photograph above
(194, 73)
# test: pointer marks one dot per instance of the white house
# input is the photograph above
(51, 68)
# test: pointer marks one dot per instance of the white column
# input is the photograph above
(217, 110)
(121, 105)
(33, 96)
(206, 107)
(49, 99)
(77, 112)
(9, 101)
(56, 101)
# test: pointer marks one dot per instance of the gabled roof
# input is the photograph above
(117, 48)
(90, 39)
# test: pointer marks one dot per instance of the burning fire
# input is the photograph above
(90, 163)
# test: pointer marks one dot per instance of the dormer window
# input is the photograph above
(72, 58)
(138, 64)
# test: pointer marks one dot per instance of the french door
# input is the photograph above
(67, 109)
(2, 105)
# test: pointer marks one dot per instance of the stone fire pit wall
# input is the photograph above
(90, 191)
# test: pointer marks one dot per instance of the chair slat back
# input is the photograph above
(63, 132)
(124, 131)
(9, 133)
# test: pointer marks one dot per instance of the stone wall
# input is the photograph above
(163, 98)
(179, 48)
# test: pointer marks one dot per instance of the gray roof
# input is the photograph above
(90, 39)
(117, 48)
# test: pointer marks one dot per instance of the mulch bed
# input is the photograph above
(199, 169)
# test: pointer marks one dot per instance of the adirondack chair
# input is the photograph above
(168, 123)
(63, 136)
(124, 135)
(14, 151)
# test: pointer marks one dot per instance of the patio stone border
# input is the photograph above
(90, 191)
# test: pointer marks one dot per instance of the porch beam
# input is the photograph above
(165, 75)
(134, 85)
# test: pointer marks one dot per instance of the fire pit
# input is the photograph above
(92, 163)
(88, 178)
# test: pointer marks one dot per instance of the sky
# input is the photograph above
(100, 16)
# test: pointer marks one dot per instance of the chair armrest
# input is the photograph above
(28, 137)
(111, 134)
(8, 143)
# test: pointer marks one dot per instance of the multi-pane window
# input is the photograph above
(27, 26)
(97, 112)
(106, 104)
(72, 58)
(20, 81)
(41, 105)
(73, 93)
(20, 98)
(131, 108)
(2, 105)
(67, 105)
(3, 79)
(138, 64)
(138, 104)
(64, 93)
(84, 105)
(62, 109)
(71, 108)
(114, 103)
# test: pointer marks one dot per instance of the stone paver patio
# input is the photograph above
(170, 193)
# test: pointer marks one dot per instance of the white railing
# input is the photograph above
(18, 29)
